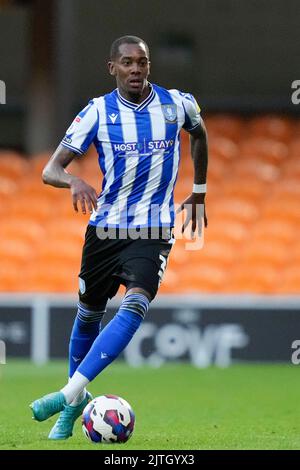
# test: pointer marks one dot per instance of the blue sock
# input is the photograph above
(115, 336)
(85, 330)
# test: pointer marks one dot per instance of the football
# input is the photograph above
(108, 419)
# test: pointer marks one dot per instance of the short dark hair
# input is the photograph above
(114, 50)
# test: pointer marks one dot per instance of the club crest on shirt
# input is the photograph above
(170, 112)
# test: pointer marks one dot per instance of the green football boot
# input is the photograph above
(63, 428)
(48, 405)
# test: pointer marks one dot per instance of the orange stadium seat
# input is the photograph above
(38, 162)
(216, 170)
(223, 148)
(220, 252)
(287, 187)
(234, 209)
(16, 250)
(255, 168)
(226, 125)
(71, 229)
(179, 255)
(39, 209)
(54, 277)
(206, 277)
(290, 281)
(294, 147)
(291, 168)
(263, 251)
(252, 191)
(282, 210)
(65, 209)
(170, 282)
(259, 279)
(13, 165)
(272, 230)
(295, 251)
(34, 188)
(231, 231)
(265, 149)
(274, 127)
(8, 187)
(22, 230)
(11, 275)
(63, 251)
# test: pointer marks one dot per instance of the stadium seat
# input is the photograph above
(267, 150)
(39, 209)
(295, 252)
(38, 162)
(170, 282)
(234, 209)
(220, 252)
(225, 125)
(272, 126)
(259, 279)
(67, 229)
(35, 189)
(205, 277)
(63, 251)
(216, 170)
(294, 148)
(255, 168)
(8, 187)
(271, 230)
(11, 275)
(54, 277)
(229, 230)
(13, 165)
(22, 230)
(16, 250)
(223, 148)
(291, 168)
(274, 253)
(287, 187)
(179, 255)
(253, 191)
(282, 210)
(290, 280)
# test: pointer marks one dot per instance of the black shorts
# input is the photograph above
(110, 262)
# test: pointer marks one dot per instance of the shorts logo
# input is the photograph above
(170, 112)
(82, 287)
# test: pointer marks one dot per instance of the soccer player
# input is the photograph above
(135, 129)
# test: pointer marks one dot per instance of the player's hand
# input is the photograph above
(195, 208)
(83, 194)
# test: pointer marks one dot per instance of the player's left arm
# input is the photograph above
(195, 203)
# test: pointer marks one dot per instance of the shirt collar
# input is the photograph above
(135, 106)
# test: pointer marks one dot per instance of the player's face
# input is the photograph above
(131, 69)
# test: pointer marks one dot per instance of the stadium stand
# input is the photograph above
(251, 242)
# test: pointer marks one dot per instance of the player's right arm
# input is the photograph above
(56, 175)
(77, 140)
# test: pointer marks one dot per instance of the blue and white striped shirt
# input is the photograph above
(139, 152)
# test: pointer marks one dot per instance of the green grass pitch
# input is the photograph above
(176, 406)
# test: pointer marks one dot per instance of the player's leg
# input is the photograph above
(99, 261)
(111, 341)
(143, 272)
(106, 348)
(86, 328)
(143, 265)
